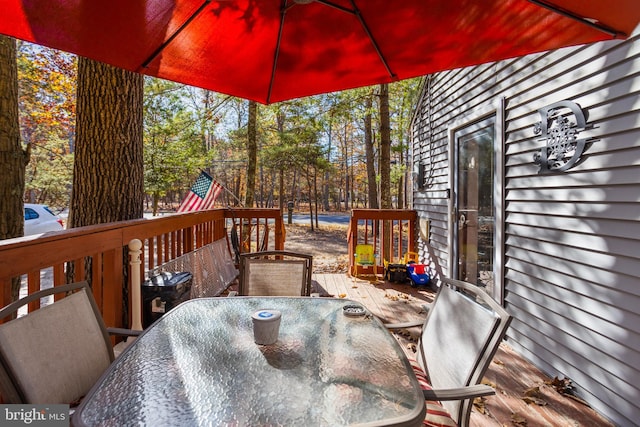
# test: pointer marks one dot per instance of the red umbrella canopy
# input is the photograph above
(274, 50)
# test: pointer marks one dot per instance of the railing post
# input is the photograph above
(352, 241)
(135, 246)
(279, 233)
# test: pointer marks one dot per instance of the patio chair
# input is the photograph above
(365, 255)
(55, 354)
(364, 258)
(275, 273)
(460, 335)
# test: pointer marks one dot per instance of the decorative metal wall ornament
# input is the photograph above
(559, 127)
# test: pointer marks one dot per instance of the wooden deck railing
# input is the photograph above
(370, 226)
(99, 253)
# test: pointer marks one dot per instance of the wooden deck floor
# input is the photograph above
(509, 373)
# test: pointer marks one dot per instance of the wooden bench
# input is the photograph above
(212, 267)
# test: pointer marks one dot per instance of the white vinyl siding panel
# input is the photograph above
(572, 239)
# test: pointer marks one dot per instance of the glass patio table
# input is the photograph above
(199, 365)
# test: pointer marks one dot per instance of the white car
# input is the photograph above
(39, 219)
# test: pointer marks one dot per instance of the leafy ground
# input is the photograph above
(328, 245)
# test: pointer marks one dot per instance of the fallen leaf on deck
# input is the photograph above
(342, 295)
(565, 388)
(479, 405)
(391, 297)
(562, 385)
(533, 395)
(518, 420)
(535, 400)
(354, 287)
(532, 392)
(498, 362)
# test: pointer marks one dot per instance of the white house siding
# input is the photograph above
(571, 248)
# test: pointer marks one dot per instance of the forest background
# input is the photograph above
(321, 152)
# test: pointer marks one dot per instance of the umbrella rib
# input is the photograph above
(358, 15)
(283, 11)
(373, 41)
(160, 48)
(336, 6)
(607, 30)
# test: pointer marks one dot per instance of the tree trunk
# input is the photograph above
(237, 186)
(261, 193)
(385, 164)
(315, 193)
(293, 186)
(280, 116)
(154, 205)
(310, 190)
(13, 158)
(400, 204)
(385, 149)
(372, 185)
(252, 154)
(347, 183)
(108, 165)
(281, 185)
(327, 175)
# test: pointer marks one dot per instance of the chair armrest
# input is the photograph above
(460, 393)
(413, 324)
(123, 332)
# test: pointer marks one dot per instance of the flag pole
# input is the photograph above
(232, 195)
(223, 186)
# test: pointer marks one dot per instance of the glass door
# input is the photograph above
(474, 204)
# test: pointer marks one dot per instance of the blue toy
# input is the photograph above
(417, 274)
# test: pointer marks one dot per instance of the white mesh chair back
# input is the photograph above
(460, 336)
(275, 273)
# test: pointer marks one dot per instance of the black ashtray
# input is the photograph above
(353, 310)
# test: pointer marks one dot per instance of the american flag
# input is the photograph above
(203, 193)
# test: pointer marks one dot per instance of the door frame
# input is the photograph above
(494, 110)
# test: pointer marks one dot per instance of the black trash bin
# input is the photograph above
(162, 292)
(396, 273)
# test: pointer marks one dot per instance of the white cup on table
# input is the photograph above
(266, 326)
